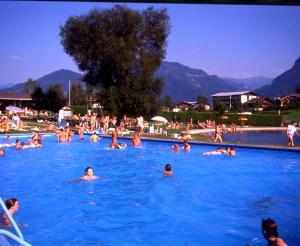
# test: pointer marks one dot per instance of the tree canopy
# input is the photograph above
(119, 50)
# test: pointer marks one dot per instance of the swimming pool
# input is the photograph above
(210, 200)
(260, 137)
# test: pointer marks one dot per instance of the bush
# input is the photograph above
(79, 110)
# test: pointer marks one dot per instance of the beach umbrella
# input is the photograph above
(243, 118)
(159, 119)
(14, 109)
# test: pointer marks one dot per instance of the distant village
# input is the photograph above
(247, 99)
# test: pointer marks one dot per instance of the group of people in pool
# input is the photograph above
(34, 142)
(268, 226)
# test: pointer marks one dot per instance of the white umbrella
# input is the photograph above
(14, 109)
(160, 119)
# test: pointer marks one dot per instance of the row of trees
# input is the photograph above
(54, 99)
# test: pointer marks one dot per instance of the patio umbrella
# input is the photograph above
(225, 117)
(14, 109)
(159, 119)
(243, 118)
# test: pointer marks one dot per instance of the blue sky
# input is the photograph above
(226, 40)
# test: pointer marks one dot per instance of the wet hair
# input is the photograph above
(168, 167)
(17, 141)
(10, 202)
(269, 228)
(86, 169)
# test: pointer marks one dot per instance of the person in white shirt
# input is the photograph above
(291, 130)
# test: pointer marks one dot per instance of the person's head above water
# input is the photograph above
(168, 167)
(12, 203)
(269, 228)
(89, 171)
(2, 152)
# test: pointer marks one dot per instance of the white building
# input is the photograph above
(229, 97)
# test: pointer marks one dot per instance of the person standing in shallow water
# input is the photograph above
(269, 231)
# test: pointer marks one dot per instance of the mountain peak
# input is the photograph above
(297, 63)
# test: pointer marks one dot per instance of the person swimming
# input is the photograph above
(118, 146)
(175, 147)
(136, 141)
(94, 138)
(218, 151)
(186, 146)
(88, 174)
(230, 151)
(168, 170)
(2, 152)
(12, 206)
(269, 231)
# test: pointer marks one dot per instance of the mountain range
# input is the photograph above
(185, 83)
(285, 84)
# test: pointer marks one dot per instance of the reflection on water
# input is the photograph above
(260, 137)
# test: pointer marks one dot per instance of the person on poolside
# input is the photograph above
(230, 151)
(136, 141)
(186, 146)
(12, 206)
(168, 170)
(218, 134)
(88, 174)
(94, 138)
(291, 130)
(2, 152)
(218, 151)
(269, 231)
(175, 147)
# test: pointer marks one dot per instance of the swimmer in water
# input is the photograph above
(88, 174)
(168, 170)
(2, 152)
(136, 141)
(12, 206)
(218, 151)
(94, 138)
(186, 146)
(175, 147)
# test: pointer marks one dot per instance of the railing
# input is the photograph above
(19, 238)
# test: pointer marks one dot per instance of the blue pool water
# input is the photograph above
(210, 200)
(260, 137)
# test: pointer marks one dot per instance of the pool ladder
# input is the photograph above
(18, 238)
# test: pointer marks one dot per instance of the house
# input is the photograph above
(285, 100)
(19, 99)
(228, 98)
(259, 102)
(183, 106)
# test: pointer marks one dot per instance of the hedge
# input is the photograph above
(253, 120)
(79, 110)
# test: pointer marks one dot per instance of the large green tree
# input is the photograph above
(119, 50)
(39, 98)
(55, 98)
(78, 95)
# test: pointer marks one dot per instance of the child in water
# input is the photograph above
(168, 170)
